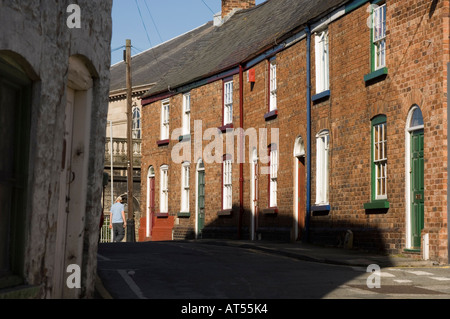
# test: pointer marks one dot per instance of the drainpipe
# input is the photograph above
(448, 165)
(241, 149)
(308, 125)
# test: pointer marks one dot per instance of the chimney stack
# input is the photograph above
(230, 6)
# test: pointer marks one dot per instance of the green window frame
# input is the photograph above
(379, 164)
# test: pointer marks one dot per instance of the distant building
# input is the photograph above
(355, 93)
(147, 68)
(54, 83)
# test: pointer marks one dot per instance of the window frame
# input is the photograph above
(16, 78)
(322, 168)
(227, 183)
(273, 85)
(376, 63)
(164, 190)
(185, 186)
(227, 109)
(273, 176)
(379, 163)
(322, 50)
(186, 111)
(136, 122)
(165, 119)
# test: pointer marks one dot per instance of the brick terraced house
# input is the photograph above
(319, 120)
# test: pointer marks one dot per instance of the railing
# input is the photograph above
(106, 233)
(120, 150)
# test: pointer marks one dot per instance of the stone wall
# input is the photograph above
(36, 35)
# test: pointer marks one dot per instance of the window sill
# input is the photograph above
(184, 138)
(20, 292)
(10, 281)
(271, 115)
(162, 215)
(412, 250)
(225, 128)
(325, 95)
(184, 214)
(377, 205)
(163, 142)
(376, 76)
(225, 212)
(272, 211)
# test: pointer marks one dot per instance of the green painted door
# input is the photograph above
(417, 187)
(201, 201)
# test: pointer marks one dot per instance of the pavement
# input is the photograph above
(311, 253)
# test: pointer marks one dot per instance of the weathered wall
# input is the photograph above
(36, 32)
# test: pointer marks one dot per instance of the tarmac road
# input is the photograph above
(223, 271)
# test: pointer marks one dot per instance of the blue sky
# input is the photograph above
(164, 20)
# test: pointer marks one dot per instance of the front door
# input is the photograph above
(201, 201)
(417, 187)
(254, 201)
(301, 193)
(151, 207)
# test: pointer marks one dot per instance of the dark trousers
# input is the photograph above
(119, 232)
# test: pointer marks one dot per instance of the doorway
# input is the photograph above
(300, 188)
(415, 166)
(254, 181)
(200, 198)
(15, 123)
(150, 201)
(73, 175)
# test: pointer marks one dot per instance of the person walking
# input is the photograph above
(118, 223)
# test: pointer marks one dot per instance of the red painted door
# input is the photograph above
(152, 203)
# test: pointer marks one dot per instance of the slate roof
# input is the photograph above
(211, 50)
(151, 66)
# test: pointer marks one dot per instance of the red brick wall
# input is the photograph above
(417, 54)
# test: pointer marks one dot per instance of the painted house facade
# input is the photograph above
(294, 120)
(54, 83)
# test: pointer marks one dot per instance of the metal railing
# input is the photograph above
(106, 233)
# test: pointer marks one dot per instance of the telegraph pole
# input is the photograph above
(130, 222)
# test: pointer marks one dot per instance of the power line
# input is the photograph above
(143, 23)
(117, 49)
(207, 6)
(151, 17)
(158, 62)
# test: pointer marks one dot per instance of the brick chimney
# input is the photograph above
(228, 6)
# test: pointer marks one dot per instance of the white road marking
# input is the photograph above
(130, 282)
(440, 278)
(386, 275)
(419, 273)
(103, 257)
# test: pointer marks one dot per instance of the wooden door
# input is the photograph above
(417, 187)
(301, 193)
(201, 201)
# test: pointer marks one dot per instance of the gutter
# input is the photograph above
(308, 125)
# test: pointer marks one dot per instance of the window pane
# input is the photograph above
(417, 118)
